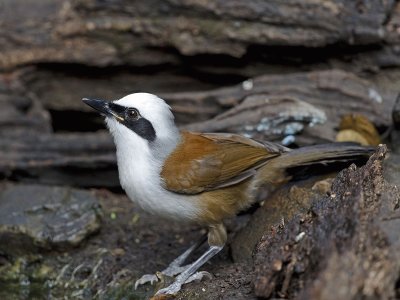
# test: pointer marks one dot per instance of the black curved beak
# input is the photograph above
(108, 109)
(99, 105)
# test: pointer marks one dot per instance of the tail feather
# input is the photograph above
(324, 153)
(276, 170)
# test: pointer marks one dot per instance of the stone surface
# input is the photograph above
(34, 217)
(20, 112)
(351, 229)
(135, 33)
(277, 209)
(267, 107)
(84, 159)
(334, 91)
(396, 113)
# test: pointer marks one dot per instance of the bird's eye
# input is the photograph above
(133, 114)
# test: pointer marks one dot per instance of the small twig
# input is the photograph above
(392, 217)
(288, 276)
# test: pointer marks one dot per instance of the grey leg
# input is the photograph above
(192, 268)
(175, 266)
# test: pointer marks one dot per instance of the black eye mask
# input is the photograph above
(134, 121)
(142, 127)
(127, 116)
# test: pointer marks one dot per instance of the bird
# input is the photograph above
(202, 178)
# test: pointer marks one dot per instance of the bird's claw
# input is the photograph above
(171, 289)
(199, 276)
(152, 278)
(177, 285)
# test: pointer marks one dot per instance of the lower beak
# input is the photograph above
(99, 105)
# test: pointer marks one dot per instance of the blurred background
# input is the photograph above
(299, 72)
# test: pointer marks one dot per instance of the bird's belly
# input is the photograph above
(224, 203)
(161, 202)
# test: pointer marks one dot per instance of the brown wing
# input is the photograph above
(204, 162)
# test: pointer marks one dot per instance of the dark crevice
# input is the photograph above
(296, 55)
(397, 288)
(303, 172)
(116, 190)
(279, 55)
(75, 121)
(81, 70)
(100, 177)
(221, 69)
(390, 12)
(186, 69)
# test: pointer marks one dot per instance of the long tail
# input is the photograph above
(275, 171)
(324, 153)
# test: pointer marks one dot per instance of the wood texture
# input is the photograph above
(135, 33)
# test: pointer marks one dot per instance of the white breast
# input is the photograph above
(139, 173)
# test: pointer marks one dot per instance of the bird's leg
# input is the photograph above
(175, 267)
(190, 271)
(216, 239)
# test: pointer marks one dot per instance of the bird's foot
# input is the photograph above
(199, 276)
(171, 289)
(171, 271)
(152, 278)
(177, 285)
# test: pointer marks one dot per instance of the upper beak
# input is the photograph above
(104, 108)
(99, 105)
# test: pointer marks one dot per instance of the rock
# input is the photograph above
(277, 210)
(396, 113)
(130, 33)
(20, 111)
(395, 134)
(395, 139)
(335, 92)
(270, 106)
(272, 117)
(78, 159)
(34, 217)
(354, 228)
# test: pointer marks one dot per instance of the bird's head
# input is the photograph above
(139, 119)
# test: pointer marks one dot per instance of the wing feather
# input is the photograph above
(204, 162)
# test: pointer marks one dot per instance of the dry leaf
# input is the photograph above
(357, 128)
